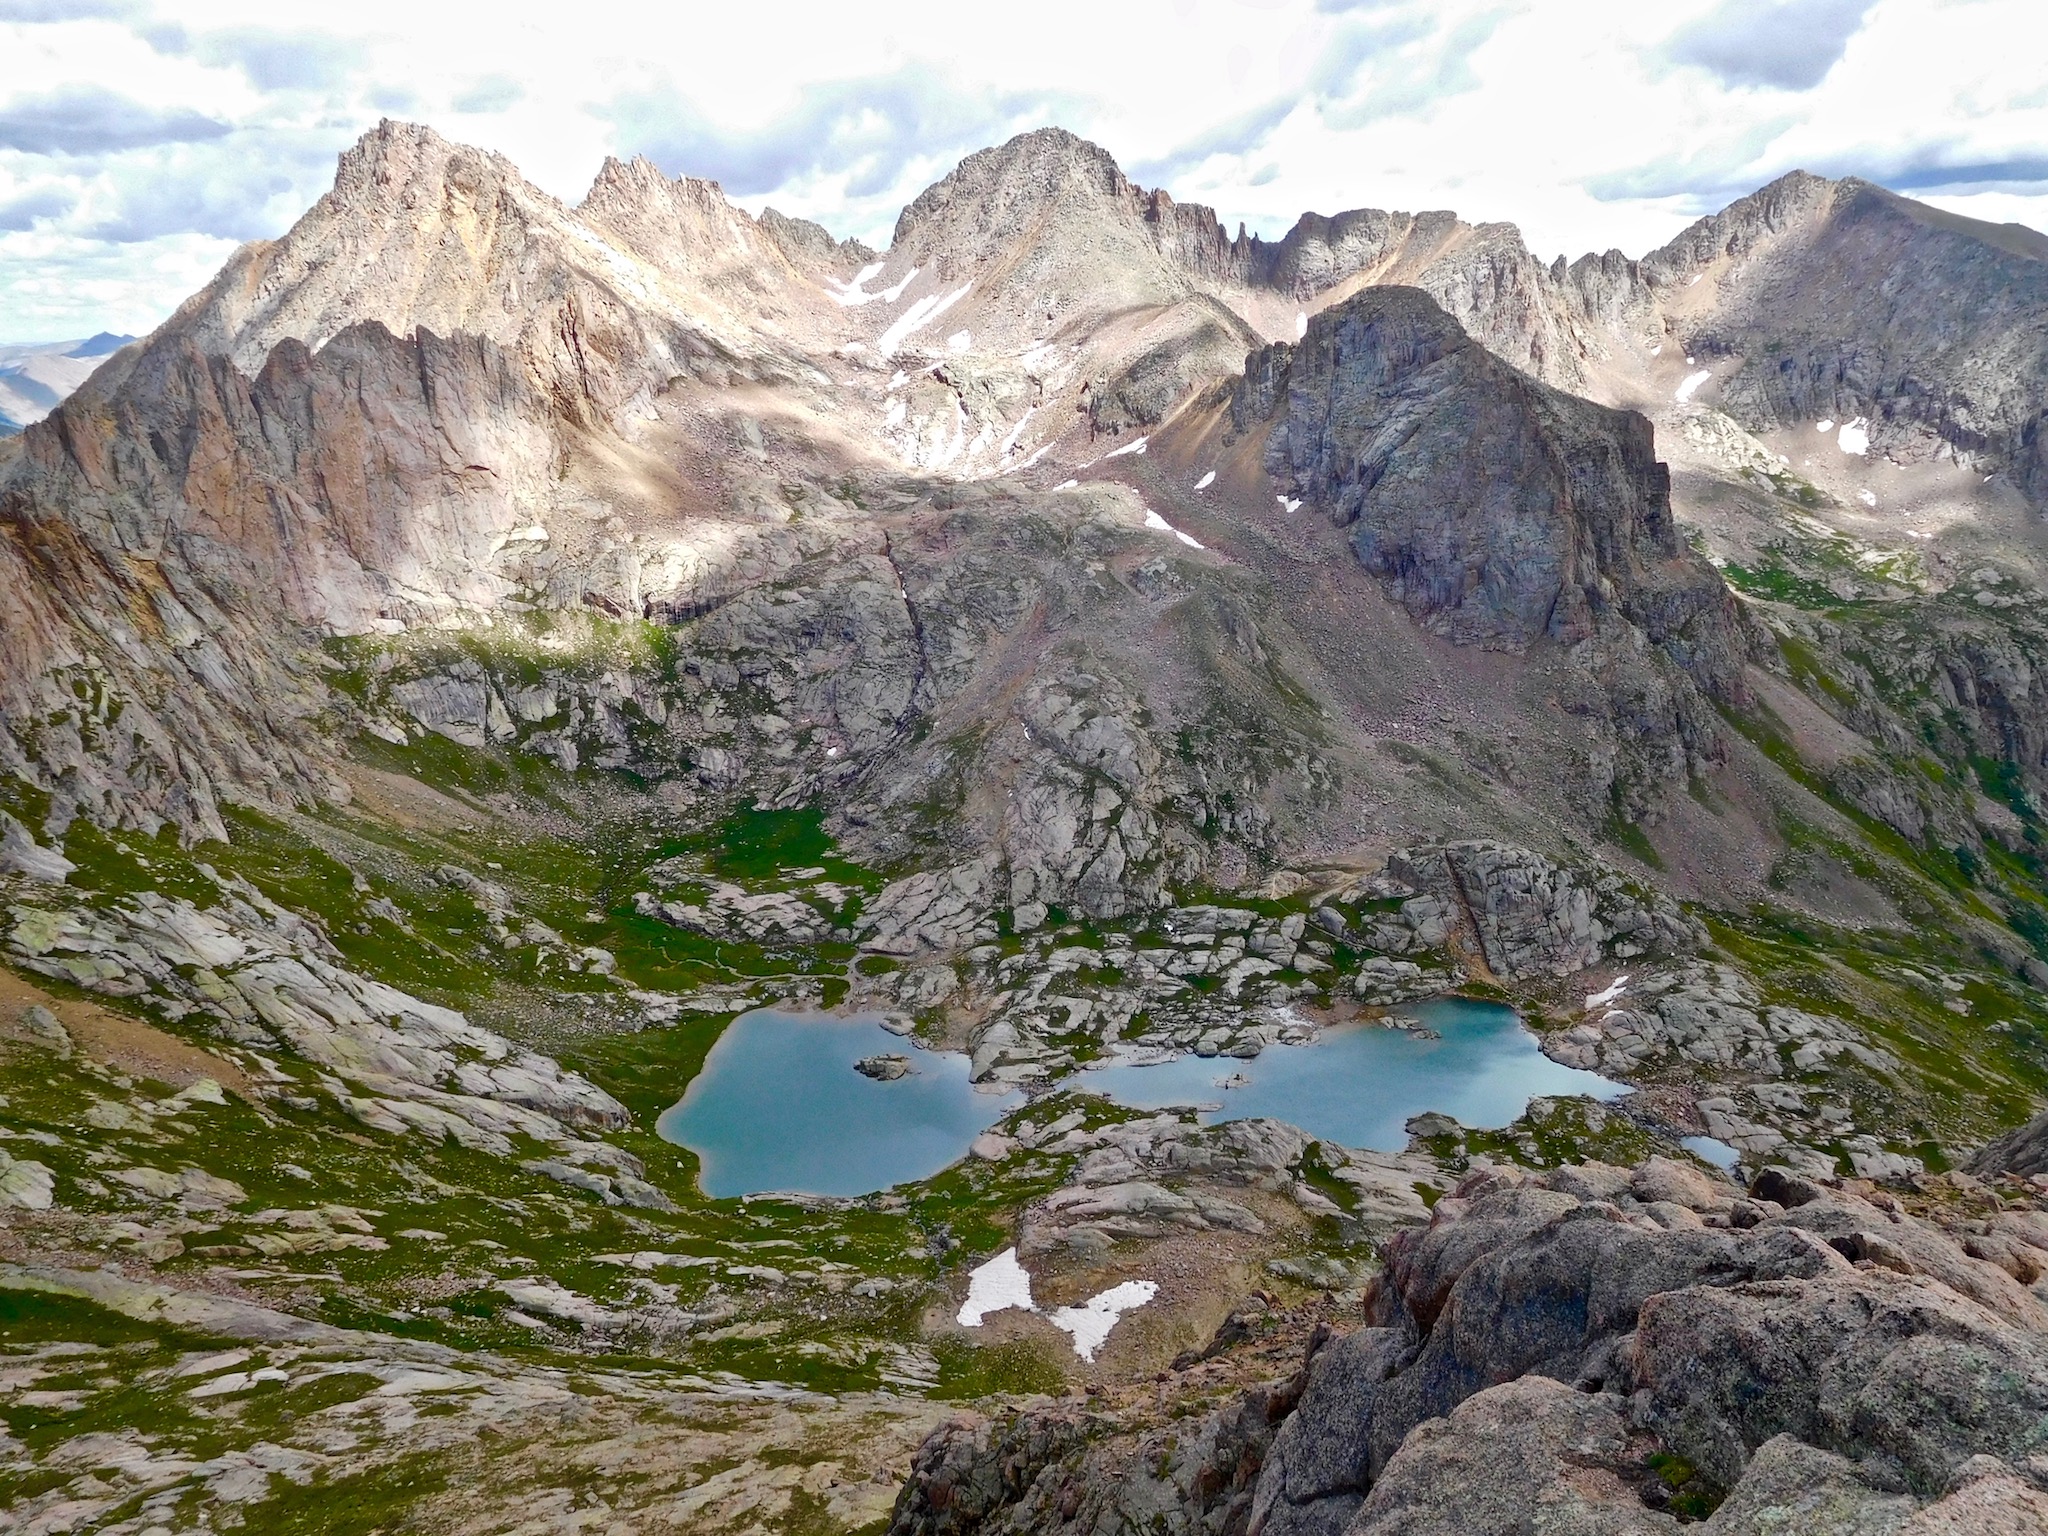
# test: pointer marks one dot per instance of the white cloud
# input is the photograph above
(145, 138)
(1787, 44)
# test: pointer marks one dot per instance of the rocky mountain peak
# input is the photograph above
(1499, 511)
(1050, 180)
(808, 243)
(1035, 236)
(1857, 199)
(1791, 201)
(629, 190)
(1839, 300)
(1000, 187)
(393, 164)
(682, 225)
(1387, 406)
(416, 231)
(628, 181)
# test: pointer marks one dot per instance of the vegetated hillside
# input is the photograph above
(478, 647)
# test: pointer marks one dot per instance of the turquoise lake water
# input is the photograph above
(1357, 1085)
(778, 1106)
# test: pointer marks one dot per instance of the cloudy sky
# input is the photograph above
(141, 141)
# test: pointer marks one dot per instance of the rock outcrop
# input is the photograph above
(1707, 1329)
(1523, 914)
(1615, 1348)
(252, 972)
(1500, 511)
(2023, 1151)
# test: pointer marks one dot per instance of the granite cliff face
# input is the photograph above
(1501, 512)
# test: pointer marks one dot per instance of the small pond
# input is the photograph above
(779, 1106)
(1719, 1153)
(1357, 1085)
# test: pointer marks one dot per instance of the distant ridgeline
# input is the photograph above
(35, 377)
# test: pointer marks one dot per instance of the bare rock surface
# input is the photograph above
(266, 977)
(2023, 1151)
(1800, 264)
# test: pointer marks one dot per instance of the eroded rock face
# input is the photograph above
(1027, 1473)
(1501, 512)
(1527, 915)
(1506, 1452)
(1712, 1015)
(267, 977)
(2022, 1151)
(1388, 417)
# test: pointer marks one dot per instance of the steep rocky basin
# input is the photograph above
(1358, 1085)
(781, 1106)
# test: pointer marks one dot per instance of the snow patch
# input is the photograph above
(1117, 453)
(1159, 524)
(1658, 350)
(1289, 506)
(1000, 1283)
(1038, 453)
(1608, 993)
(1009, 445)
(1868, 498)
(1066, 485)
(916, 318)
(1155, 522)
(1692, 382)
(1206, 481)
(1089, 1323)
(899, 380)
(851, 295)
(1824, 427)
(1854, 436)
(959, 341)
(1300, 324)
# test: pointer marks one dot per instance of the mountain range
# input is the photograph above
(479, 646)
(34, 378)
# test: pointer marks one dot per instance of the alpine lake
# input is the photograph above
(781, 1106)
